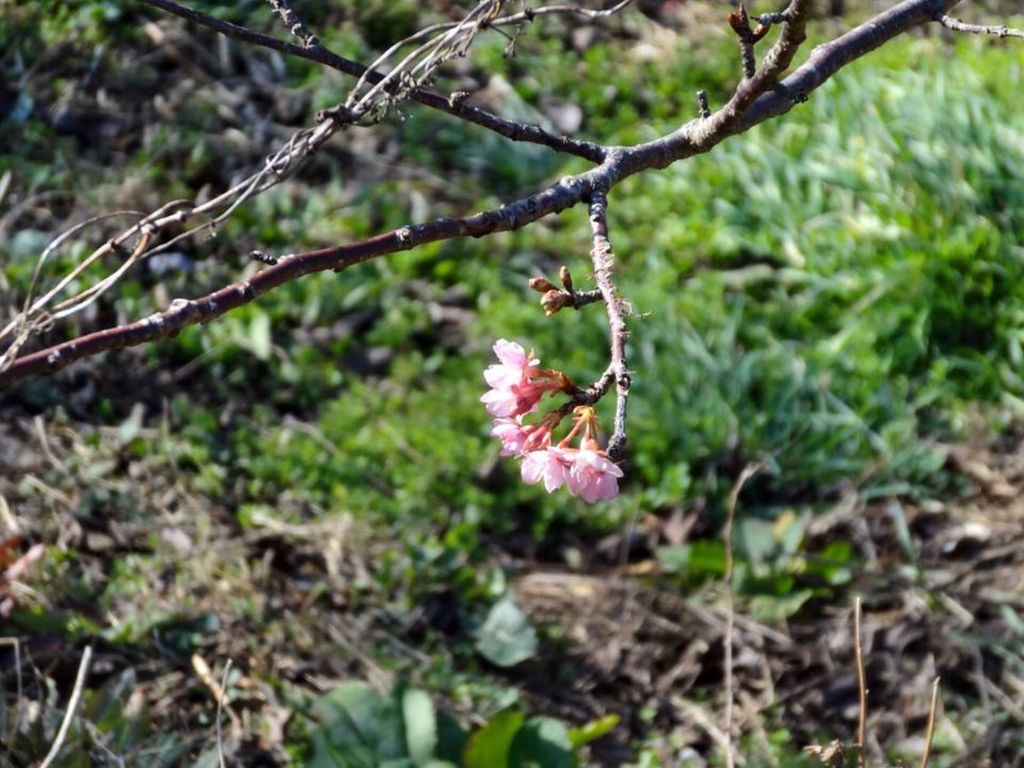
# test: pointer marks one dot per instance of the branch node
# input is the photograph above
(265, 258)
(703, 108)
(340, 114)
(457, 99)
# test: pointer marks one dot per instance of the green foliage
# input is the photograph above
(506, 637)
(360, 728)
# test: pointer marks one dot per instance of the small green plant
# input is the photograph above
(361, 728)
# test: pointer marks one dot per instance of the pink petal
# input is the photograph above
(502, 376)
(511, 354)
(533, 467)
(499, 402)
(555, 473)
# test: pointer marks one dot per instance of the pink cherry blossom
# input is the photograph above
(592, 475)
(517, 382)
(512, 433)
(549, 464)
(500, 402)
(513, 368)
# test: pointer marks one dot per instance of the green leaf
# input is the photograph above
(674, 559)
(541, 743)
(360, 729)
(489, 747)
(592, 731)
(506, 637)
(772, 608)
(420, 722)
(451, 739)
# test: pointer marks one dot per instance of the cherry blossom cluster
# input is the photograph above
(517, 385)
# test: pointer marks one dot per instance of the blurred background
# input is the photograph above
(306, 488)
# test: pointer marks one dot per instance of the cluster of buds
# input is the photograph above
(553, 298)
(517, 385)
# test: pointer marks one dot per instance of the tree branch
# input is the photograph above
(756, 100)
(1000, 30)
(603, 262)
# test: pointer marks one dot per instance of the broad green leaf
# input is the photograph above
(506, 637)
(489, 747)
(451, 739)
(359, 729)
(420, 722)
(541, 743)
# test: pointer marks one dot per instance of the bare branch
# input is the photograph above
(1000, 30)
(510, 129)
(616, 308)
(184, 312)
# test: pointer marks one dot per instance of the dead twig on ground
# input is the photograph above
(69, 714)
(730, 607)
(862, 690)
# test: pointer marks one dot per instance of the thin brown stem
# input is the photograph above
(730, 607)
(862, 691)
(930, 733)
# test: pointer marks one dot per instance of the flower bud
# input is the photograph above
(566, 277)
(541, 285)
(554, 300)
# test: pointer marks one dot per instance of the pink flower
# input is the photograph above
(512, 433)
(500, 402)
(517, 382)
(513, 368)
(549, 464)
(592, 475)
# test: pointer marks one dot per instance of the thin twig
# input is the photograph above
(740, 23)
(69, 714)
(293, 23)
(510, 129)
(730, 606)
(220, 709)
(862, 691)
(930, 734)
(996, 30)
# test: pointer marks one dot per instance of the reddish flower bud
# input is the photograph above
(554, 300)
(541, 285)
